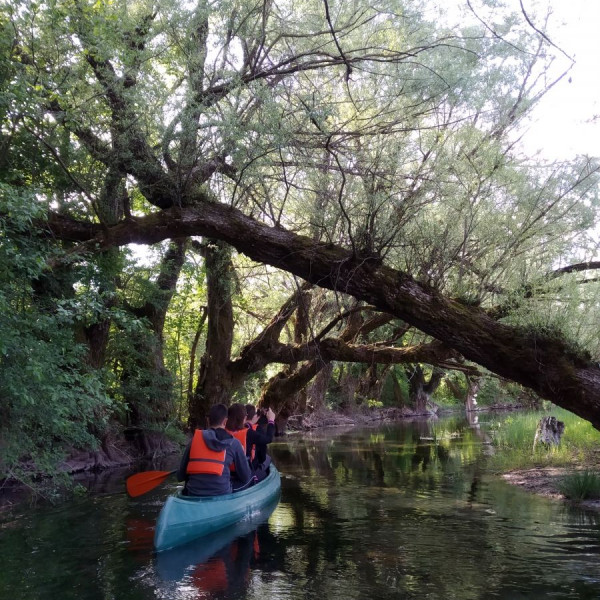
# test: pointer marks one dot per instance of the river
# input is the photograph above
(401, 511)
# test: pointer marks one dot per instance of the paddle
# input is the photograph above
(140, 483)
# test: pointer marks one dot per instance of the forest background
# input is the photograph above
(335, 209)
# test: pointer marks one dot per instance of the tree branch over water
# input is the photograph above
(546, 365)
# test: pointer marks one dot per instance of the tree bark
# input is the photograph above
(399, 398)
(371, 383)
(147, 384)
(546, 365)
(214, 380)
(421, 390)
(317, 392)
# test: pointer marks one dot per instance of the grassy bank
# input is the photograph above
(513, 440)
(575, 463)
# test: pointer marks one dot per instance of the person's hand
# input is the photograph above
(270, 415)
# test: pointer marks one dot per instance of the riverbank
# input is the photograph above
(120, 456)
(546, 482)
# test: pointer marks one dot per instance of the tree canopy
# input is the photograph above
(368, 148)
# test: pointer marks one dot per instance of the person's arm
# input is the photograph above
(182, 471)
(261, 438)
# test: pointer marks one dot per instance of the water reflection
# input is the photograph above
(220, 563)
(405, 511)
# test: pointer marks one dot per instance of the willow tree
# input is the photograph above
(362, 147)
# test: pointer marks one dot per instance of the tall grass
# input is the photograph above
(581, 485)
(513, 439)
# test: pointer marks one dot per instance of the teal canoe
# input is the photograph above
(185, 518)
(175, 563)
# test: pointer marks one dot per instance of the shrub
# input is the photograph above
(581, 485)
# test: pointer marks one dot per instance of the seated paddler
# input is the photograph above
(254, 440)
(205, 464)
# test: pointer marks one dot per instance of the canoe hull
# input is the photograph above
(183, 519)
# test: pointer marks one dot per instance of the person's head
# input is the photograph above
(250, 411)
(262, 420)
(236, 415)
(217, 415)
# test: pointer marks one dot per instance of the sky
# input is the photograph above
(563, 123)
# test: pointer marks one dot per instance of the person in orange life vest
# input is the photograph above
(256, 440)
(205, 462)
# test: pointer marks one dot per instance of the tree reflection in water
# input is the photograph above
(403, 511)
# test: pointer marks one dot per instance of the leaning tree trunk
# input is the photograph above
(546, 364)
(282, 391)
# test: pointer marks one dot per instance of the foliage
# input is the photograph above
(388, 396)
(140, 387)
(496, 391)
(50, 400)
(446, 393)
(581, 485)
(374, 403)
(249, 393)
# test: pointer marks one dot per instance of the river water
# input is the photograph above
(403, 511)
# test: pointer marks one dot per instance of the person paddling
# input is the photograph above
(205, 464)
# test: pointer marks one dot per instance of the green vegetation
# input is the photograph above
(513, 439)
(325, 206)
(51, 400)
(581, 485)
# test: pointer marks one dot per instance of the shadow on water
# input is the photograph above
(402, 511)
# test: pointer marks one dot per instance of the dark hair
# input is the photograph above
(262, 420)
(216, 415)
(236, 415)
(250, 411)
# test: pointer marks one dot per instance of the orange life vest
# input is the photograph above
(240, 435)
(203, 459)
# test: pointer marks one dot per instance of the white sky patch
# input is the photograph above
(144, 255)
(566, 122)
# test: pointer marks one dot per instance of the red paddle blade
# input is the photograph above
(140, 483)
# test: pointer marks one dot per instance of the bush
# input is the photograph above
(50, 400)
(581, 485)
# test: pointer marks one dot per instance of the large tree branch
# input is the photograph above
(545, 365)
(336, 349)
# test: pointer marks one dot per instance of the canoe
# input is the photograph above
(175, 563)
(185, 518)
